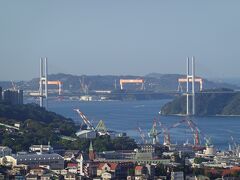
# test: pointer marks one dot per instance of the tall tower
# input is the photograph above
(187, 89)
(43, 84)
(91, 152)
(190, 78)
(193, 85)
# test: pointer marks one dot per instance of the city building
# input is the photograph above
(120, 169)
(140, 172)
(13, 96)
(41, 148)
(54, 161)
(177, 175)
(5, 151)
(0, 93)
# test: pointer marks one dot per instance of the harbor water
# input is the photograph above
(127, 116)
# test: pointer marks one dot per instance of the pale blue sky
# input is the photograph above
(119, 36)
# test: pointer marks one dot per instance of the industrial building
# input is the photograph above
(13, 96)
(88, 134)
(54, 161)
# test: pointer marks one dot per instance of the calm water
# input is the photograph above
(128, 115)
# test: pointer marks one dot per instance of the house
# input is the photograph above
(71, 155)
(31, 177)
(141, 172)
(90, 169)
(39, 171)
(49, 176)
(106, 167)
(70, 176)
(119, 170)
(72, 168)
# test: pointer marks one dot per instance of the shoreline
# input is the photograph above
(217, 115)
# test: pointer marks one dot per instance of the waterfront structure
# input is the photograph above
(13, 97)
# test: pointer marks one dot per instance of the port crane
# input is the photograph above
(166, 134)
(142, 135)
(85, 119)
(195, 131)
(154, 132)
(128, 81)
(14, 86)
(193, 127)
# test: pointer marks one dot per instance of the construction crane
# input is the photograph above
(85, 119)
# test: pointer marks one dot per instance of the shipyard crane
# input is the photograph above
(166, 131)
(166, 135)
(85, 119)
(142, 135)
(195, 131)
(154, 132)
(14, 86)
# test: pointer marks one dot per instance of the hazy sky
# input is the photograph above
(119, 37)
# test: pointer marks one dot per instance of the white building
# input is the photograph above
(88, 134)
(41, 148)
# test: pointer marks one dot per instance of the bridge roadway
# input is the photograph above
(144, 93)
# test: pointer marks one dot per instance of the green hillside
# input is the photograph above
(207, 104)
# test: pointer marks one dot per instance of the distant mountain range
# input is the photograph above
(153, 82)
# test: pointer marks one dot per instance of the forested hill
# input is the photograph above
(37, 126)
(207, 104)
(30, 111)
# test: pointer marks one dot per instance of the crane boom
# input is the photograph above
(85, 119)
(142, 135)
